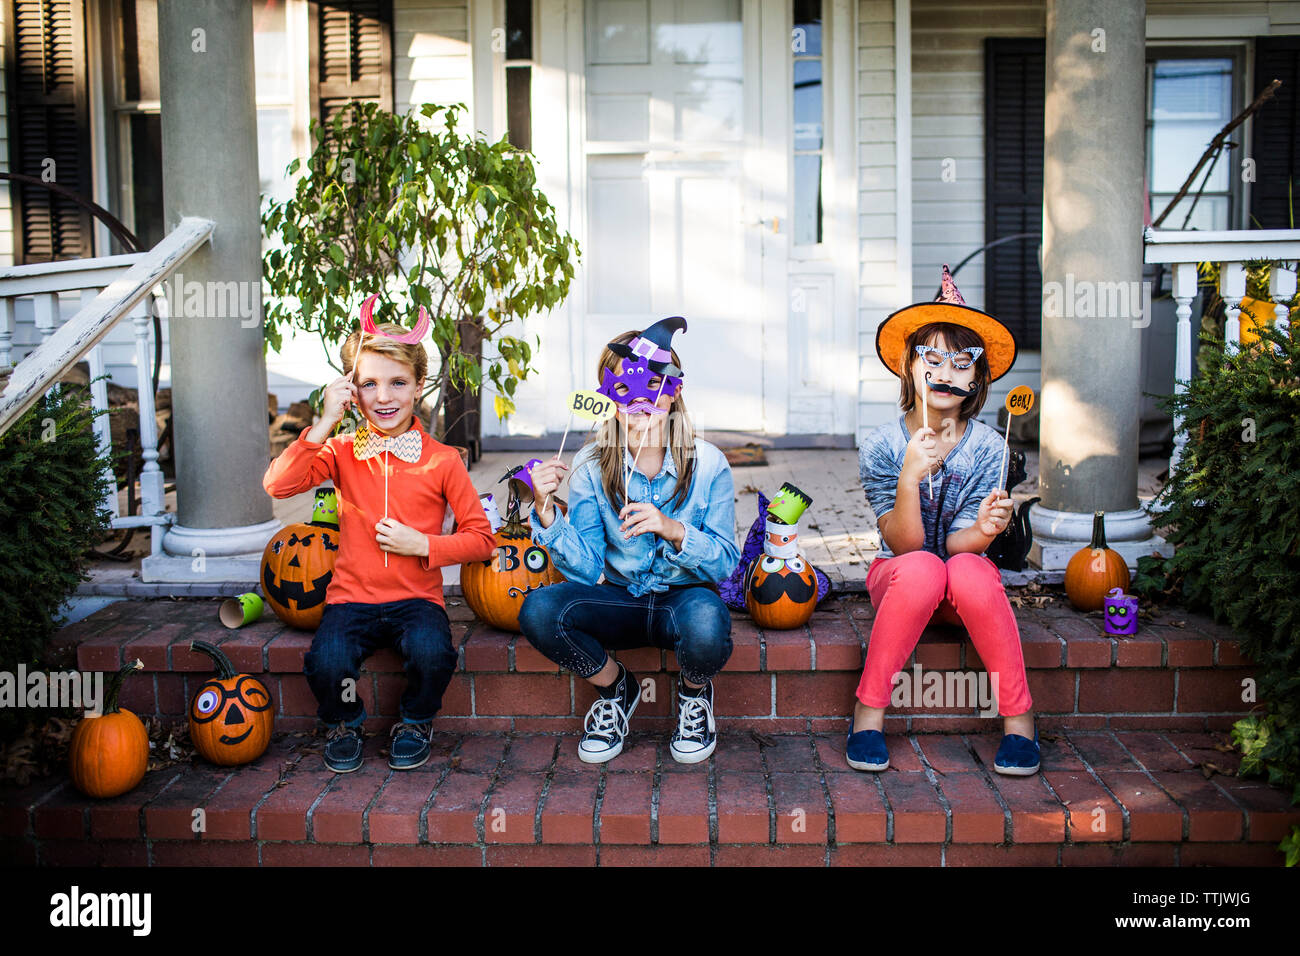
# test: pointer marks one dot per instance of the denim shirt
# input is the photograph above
(588, 541)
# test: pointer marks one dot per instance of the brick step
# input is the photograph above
(1102, 798)
(1186, 678)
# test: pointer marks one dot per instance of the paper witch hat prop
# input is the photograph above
(655, 345)
(948, 306)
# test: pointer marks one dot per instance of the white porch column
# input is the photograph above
(209, 145)
(1092, 279)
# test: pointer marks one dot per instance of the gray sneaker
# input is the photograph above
(343, 749)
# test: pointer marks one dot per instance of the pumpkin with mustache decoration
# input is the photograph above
(780, 593)
(230, 716)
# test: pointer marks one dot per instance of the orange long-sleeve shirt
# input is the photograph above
(418, 495)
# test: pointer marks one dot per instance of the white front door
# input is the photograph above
(670, 102)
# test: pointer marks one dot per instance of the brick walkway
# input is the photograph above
(1102, 798)
(1136, 766)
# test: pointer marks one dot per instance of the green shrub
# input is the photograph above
(52, 489)
(1234, 521)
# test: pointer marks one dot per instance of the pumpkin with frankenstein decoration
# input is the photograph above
(298, 563)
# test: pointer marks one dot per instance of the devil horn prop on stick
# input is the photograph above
(408, 338)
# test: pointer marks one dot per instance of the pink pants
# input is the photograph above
(909, 590)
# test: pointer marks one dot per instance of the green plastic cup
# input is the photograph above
(243, 609)
(789, 504)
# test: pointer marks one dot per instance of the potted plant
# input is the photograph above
(407, 206)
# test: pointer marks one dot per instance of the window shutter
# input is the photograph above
(1014, 85)
(351, 54)
(48, 124)
(1275, 144)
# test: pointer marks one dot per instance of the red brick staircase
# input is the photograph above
(1135, 767)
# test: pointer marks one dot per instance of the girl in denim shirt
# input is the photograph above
(662, 547)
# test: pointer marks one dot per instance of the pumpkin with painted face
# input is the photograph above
(495, 589)
(297, 566)
(231, 715)
(780, 593)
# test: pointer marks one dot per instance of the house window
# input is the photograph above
(519, 73)
(135, 126)
(134, 121)
(809, 128)
(1189, 99)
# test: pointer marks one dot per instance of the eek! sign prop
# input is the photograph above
(1018, 402)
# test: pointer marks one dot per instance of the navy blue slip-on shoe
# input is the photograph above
(1017, 756)
(343, 748)
(866, 750)
(410, 747)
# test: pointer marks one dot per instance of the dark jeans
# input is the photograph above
(574, 624)
(349, 633)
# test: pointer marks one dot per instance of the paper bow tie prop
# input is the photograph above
(406, 446)
(410, 338)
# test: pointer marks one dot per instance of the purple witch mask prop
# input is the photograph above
(637, 395)
(1121, 612)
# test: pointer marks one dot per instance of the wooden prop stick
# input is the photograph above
(1018, 402)
(563, 439)
(925, 423)
(644, 435)
(1006, 437)
(385, 496)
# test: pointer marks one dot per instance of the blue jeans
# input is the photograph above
(349, 633)
(574, 624)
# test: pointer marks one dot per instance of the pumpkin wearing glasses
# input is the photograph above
(230, 716)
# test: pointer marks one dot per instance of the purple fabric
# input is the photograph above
(732, 590)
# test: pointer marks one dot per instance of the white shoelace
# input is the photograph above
(605, 719)
(695, 714)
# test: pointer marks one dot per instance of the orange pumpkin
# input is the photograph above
(780, 593)
(1094, 570)
(297, 566)
(109, 753)
(231, 717)
(495, 589)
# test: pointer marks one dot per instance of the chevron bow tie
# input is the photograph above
(406, 446)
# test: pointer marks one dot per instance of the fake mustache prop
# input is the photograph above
(948, 389)
(641, 405)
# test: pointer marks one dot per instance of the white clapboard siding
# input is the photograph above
(877, 206)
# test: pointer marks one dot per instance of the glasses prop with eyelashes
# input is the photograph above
(961, 359)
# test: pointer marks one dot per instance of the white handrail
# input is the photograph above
(65, 347)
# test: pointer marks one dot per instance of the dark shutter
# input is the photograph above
(48, 121)
(351, 54)
(1014, 83)
(1275, 142)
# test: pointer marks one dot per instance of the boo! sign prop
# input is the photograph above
(1020, 400)
(591, 405)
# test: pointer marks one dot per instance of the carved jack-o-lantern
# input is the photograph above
(780, 593)
(296, 569)
(231, 717)
(495, 589)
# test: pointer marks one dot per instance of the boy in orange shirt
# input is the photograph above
(367, 604)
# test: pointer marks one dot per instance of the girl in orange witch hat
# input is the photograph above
(931, 476)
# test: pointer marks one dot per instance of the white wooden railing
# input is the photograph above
(110, 289)
(1232, 250)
